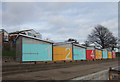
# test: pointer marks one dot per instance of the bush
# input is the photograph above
(117, 54)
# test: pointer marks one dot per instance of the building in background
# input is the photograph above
(72, 41)
(0, 44)
(119, 45)
(4, 35)
(29, 32)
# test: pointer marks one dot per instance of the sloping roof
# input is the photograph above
(32, 38)
(3, 30)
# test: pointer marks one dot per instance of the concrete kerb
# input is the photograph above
(94, 75)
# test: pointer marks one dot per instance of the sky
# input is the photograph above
(60, 21)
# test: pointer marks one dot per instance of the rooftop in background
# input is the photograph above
(5, 35)
(29, 32)
(22, 31)
(2, 30)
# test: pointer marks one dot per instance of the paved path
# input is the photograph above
(62, 73)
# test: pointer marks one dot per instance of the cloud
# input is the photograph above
(0, 14)
(19, 13)
(61, 0)
(112, 25)
(60, 21)
(62, 30)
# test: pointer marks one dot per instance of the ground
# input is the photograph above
(64, 71)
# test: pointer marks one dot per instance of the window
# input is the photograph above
(6, 37)
(29, 34)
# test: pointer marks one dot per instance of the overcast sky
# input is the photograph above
(60, 21)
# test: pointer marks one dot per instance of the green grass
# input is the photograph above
(9, 53)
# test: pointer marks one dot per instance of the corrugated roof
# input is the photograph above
(33, 38)
(63, 43)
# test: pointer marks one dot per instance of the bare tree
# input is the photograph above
(103, 37)
(86, 43)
